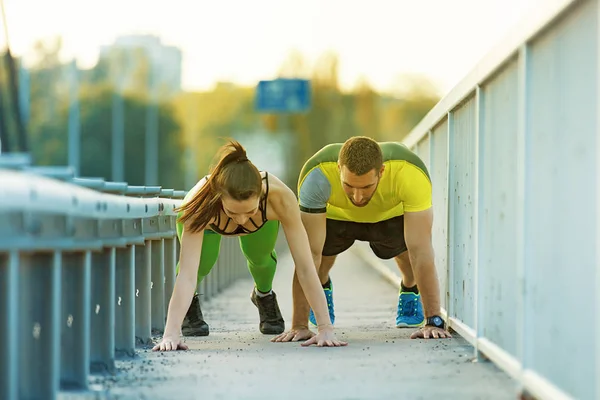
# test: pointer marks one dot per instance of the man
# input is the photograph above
(379, 193)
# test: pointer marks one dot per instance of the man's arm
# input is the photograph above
(314, 224)
(417, 233)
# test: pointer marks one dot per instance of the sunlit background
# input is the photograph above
(114, 73)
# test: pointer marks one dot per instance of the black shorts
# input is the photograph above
(386, 238)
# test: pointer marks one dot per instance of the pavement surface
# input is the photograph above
(380, 362)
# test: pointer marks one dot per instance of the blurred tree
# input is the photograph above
(49, 116)
(367, 109)
(8, 139)
(192, 125)
(96, 139)
(48, 96)
(48, 87)
(412, 97)
(323, 123)
(207, 118)
(294, 66)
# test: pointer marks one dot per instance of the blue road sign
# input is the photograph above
(283, 96)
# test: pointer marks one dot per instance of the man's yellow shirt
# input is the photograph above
(405, 185)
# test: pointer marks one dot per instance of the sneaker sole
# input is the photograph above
(405, 325)
(272, 332)
(266, 331)
(194, 333)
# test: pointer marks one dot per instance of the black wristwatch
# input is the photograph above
(436, 321)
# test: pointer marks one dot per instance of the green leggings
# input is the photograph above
(258, 248)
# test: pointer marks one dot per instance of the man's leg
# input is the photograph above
(259, 249)
(408, 277)
(339, 238)
(324, 269)
(410, 308)
(386, 239)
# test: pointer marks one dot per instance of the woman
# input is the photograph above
(237, 199)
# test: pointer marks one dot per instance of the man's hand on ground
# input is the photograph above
(294, 335)
(430, 332)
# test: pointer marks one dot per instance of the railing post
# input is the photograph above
(478, 256)
(75, 321)
(597, 183)
(52, 233)
(450, 227)
(9, 291)
(125, 301)
(522, 206)
(39, 325)
(143, 281)
(158, 285)
(102, 354)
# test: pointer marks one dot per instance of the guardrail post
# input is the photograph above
(125, 301)
(158, 285)
(75, 320)
(143, 281)
(102, 353)
(39, 325)
(55, 229)
(9, 332)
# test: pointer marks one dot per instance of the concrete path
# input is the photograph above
(380, 362)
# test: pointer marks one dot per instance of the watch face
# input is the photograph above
(437, 321)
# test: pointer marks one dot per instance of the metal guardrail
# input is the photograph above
(87, 268)
(514, 155)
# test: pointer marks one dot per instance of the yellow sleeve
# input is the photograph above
(415, 189)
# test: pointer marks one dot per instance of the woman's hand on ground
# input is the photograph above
(170, 343)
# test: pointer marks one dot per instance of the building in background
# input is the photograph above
(142, 61)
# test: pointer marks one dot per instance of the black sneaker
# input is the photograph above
(193, 323)
(271, 321)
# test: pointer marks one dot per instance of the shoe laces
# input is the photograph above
(196, 314)
(408, 308)
(268, 305)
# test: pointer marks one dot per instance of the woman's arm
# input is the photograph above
(183, 291)
(289, 215)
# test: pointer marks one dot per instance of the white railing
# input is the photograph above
(87, 268)
(514, 155)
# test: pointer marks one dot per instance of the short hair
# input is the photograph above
(361, 154)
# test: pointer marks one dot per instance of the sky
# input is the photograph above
(245, 41)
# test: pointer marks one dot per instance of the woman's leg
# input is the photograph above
(211, 244)
(259, 249)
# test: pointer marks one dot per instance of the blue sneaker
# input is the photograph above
(410, 310)
(329, 296)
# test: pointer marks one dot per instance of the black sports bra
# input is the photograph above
(262, 207)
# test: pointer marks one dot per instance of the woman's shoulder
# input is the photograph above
(276, 185)
(192, 192)
(280, 195)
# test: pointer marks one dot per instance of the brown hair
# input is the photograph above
(233, 175)
(361, 154)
